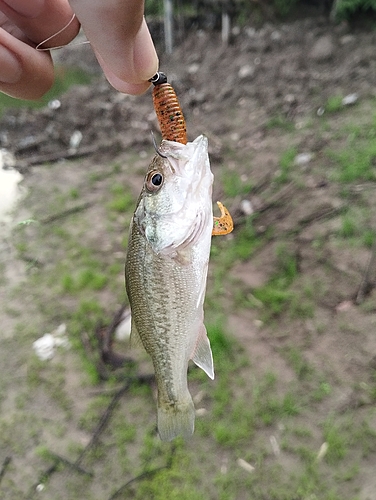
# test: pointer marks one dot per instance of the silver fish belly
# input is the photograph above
(166, 271)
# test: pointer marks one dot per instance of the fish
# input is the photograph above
(166, 272)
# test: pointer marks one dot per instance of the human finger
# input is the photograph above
(121, 40)
(25, 73)
(41, 19)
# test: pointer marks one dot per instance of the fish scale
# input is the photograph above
(166, 283)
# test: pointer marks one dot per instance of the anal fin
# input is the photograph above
(202, 355)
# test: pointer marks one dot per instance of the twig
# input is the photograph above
(98, 431)
(368, 278)
(103, 422)
(66, 213)
(42, 479)
(4, 467)
(143, 475)
(276, 199)
(24, 165)
(45, 475)
(321, 213)
(105, 337)
(72, 465)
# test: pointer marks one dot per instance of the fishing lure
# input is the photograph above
(169, 113)
(173, 128)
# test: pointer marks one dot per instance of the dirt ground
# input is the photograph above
(265, 95)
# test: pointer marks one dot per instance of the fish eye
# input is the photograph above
(154, 181)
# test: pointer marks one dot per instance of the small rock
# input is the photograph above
(250, 32)
(200, 412)
(246, 207)
(235, 137)
(75, 140)
(245, 465)
(323, 49)
(275, 36)
(54, 104)
(44, 347)
(303, 159)
(236, 30)
(275, 446)
(289, 99)
(193, 68)
(347, 39)
(344, 306)
(350, 99)
(322, 451)
(246, 71)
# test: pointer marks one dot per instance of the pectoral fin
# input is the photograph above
(202, 355)
(223, 224)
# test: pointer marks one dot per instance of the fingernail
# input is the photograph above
(25, 7)
(10, 67)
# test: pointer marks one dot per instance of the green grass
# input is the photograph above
(120, 199)
(355, 163)
(276, 295)
(86, 278)
(334, 104)
(286, 163)
(337, 438)
(234, 185)
(280, 122)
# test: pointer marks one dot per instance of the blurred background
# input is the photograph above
(285, 92)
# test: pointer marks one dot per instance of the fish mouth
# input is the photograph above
(187, 158)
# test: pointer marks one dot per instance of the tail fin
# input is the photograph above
(176, 420)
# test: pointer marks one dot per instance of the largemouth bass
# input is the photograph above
(166, 271)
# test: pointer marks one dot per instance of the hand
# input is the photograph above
(116, 29)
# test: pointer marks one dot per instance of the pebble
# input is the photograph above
(193, 68)
(246, 71)
(275, 36)
(246, 207)
(350, 99)
(303, 159)
(323, 49)
(245, 465)
(44, 347)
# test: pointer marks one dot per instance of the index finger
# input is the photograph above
(40, 19)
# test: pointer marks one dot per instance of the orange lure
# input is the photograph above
(172, 124)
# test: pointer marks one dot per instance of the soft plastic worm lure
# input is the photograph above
(168, 110)
(172, 124)
(223, 224)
